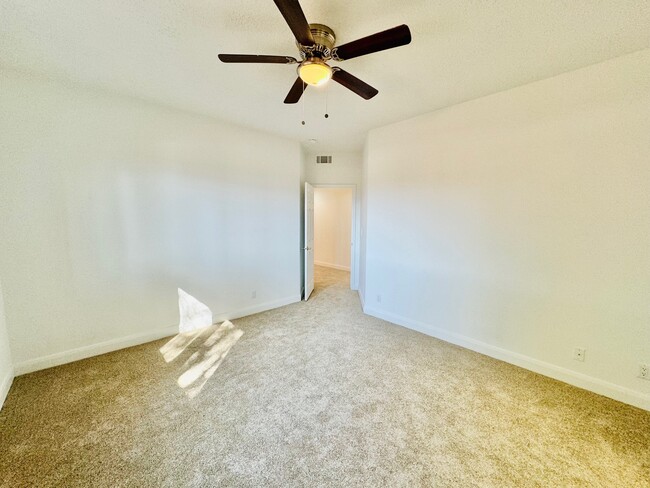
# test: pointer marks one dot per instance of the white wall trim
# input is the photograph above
(5, 385)
(363, 303)
(84, 352)
(330, 265)
(262, 307)
(565, 375)
(111, 345)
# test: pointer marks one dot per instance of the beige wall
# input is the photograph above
(332, 227)
(519, 225)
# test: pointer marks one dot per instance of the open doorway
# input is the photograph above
(330, 232)
(333, 208)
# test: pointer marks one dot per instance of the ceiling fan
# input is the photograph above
(316, 45)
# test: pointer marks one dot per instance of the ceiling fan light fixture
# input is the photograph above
(314, 72)
(317, 45)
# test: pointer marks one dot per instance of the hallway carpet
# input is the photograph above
(308, 395)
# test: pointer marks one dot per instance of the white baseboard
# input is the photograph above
(5, 385)
(91, 350)
(363, 304)
(565, 375)
(261, 307)
(330, 265)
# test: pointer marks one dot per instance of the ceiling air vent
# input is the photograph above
(323, 159)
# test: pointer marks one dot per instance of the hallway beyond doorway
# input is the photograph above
(333, 212)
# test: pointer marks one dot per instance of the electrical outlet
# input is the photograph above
(254, 294)
(579, 354)
(379, 298)
(644, 371)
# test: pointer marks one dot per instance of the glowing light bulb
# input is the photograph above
(314, 72)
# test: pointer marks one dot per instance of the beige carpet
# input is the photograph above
(313, 394)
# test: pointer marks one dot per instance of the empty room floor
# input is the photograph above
(313, 394)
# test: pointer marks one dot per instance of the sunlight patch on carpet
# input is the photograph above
(177, 345)
(210, 346)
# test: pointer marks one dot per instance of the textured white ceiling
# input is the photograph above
(166, 51)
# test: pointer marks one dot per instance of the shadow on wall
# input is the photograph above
(208, 344)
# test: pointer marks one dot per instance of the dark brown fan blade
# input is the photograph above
(353, 83)
(397, 36)
(293, 14)
(295, 93)
(256, 58)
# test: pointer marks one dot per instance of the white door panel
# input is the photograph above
(309, 240)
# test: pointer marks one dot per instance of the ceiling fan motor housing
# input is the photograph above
(324, 40)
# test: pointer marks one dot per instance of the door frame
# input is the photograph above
(355, 231)
(308, 238)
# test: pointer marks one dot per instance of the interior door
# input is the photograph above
(309, 240)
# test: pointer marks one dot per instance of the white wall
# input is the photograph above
(519, 225)
(301, 205)
(332, 227)
(363, 224)
(344, 169)
(6, 364)
(109, 204)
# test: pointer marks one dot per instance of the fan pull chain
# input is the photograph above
(327, 90)
(302, 102)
